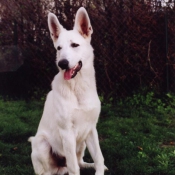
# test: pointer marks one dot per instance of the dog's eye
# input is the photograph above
(58, 48)
(74, 45)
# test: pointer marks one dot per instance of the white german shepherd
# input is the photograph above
(72, 107)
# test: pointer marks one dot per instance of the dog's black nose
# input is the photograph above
(63, 64)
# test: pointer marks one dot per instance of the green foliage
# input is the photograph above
(137, 135)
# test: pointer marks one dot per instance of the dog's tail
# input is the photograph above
(30, 139)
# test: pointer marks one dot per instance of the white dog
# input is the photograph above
(72, 107)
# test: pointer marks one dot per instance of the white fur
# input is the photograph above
(72, 107)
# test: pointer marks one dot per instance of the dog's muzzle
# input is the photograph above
(69, 72)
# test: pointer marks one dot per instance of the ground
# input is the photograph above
(137, 135)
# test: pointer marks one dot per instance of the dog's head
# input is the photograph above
(73, 46)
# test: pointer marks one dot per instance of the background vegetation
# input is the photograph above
(133, 43)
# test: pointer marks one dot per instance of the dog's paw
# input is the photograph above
(30, 139)
(105, 168)
(86, 165)
(60, 171)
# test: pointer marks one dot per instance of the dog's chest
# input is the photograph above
(85, 116)
(76, 103)
(83, 121)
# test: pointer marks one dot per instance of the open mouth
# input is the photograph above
(71, 73)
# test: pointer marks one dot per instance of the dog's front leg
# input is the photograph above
(69, 148)
(93, 146)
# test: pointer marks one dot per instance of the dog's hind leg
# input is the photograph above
(45, 162)
(80, 155)
(41, 155)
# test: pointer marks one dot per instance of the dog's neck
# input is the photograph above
(82, 83)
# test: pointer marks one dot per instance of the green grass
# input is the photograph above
(137, 135)
(18, 121)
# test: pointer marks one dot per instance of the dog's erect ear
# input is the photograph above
(82, 23)
(54, 26)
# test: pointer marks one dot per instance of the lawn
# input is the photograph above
(137, 135)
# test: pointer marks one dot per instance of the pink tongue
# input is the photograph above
(67, 74)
